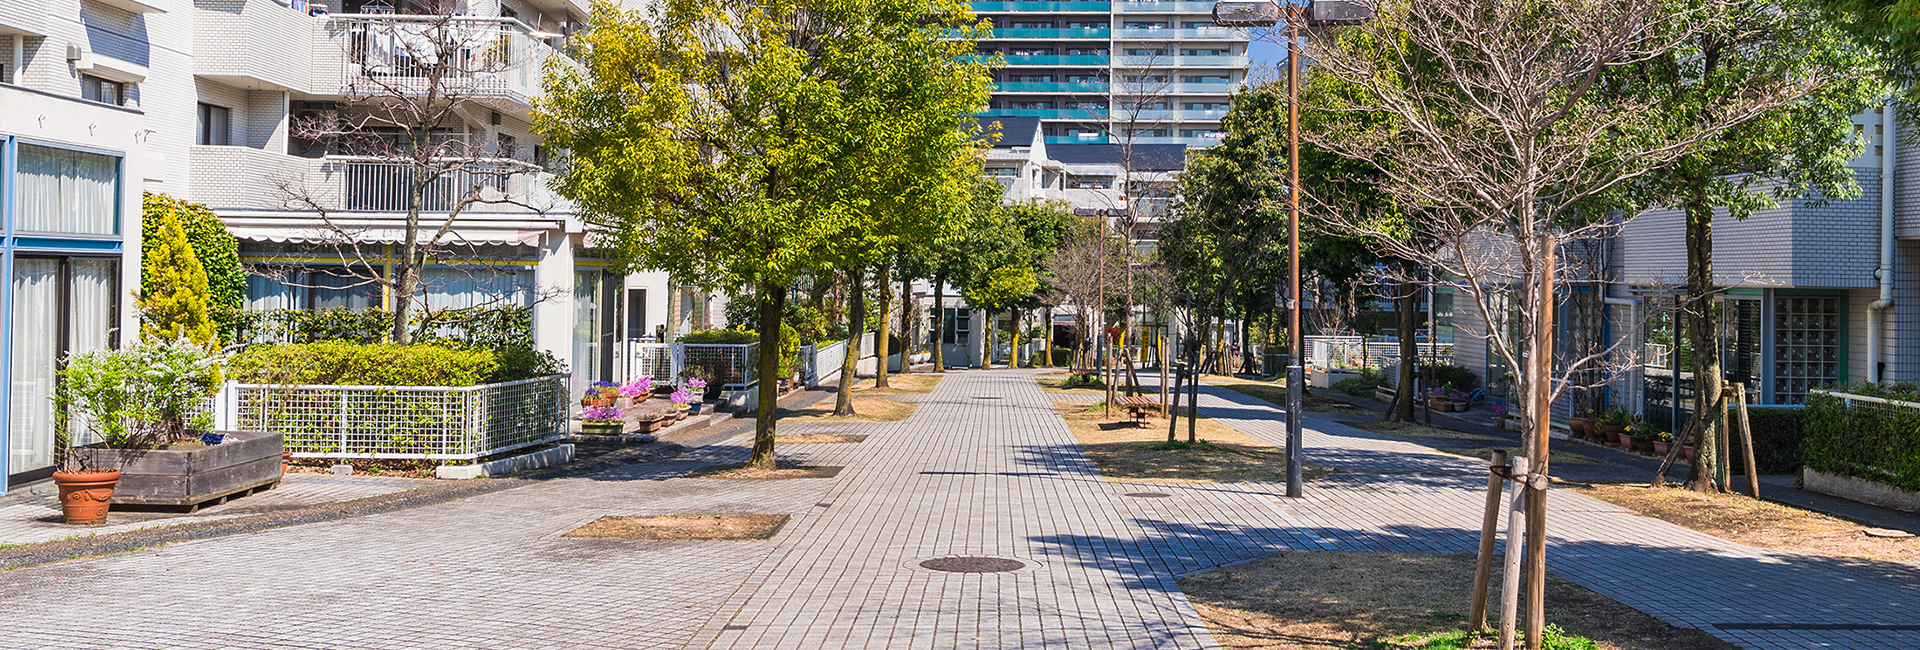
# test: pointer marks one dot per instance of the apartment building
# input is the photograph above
(237, 104)
(1107, 72)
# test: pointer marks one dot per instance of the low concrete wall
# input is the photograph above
(558, 455)
(1862, 490)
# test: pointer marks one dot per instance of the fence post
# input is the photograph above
(343, 421)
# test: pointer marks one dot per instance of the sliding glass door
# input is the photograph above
(61, 306)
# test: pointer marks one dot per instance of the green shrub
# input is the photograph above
(1061, 358)
(375, 364)
(1553, 638)
(1779, 436)
(721, 337)
(1355, 386)
(174, 300)
(1460, 378)
(493, 327)
(521, 362)
(1875, 442)
(215, 248)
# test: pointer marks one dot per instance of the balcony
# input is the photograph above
(1179, 115)
(1049, 60)
(244, 178)
(1050, 34)
(495, 61)
(1074, 139)
(1043, 7)
(28, 17)
(1050, 87)
(1235, 62)
(273, 55)
(1163, 7)
(1046, 113)
(1224, 34)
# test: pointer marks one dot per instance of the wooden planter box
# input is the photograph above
(191, 477)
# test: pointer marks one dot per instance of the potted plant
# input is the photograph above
(601, 420)
(681, 399)
(601, 393)
(149, 437)
(1582, 423)
(1613, 427)
(1643, 438)
(636, 391)
(696, 394)
(1662, 443)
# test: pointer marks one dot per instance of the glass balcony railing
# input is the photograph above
(1046, 7)
(1162, 7)
(1049, 34)
(1074, 139)
(1050, 87)
(1046, 59)
(1135, 61)
(1184, 34)
(1045, 113)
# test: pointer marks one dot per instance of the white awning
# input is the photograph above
(384, 235)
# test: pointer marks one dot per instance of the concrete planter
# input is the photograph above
(1859, 489)
(193, 476)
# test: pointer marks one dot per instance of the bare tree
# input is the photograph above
(1077, 275)
(414, 145)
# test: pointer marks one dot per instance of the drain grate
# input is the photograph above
(1148, 495)
(971, 564)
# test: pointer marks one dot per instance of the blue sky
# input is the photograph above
(1267, 59)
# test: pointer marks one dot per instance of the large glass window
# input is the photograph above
(60, 306)
(271, 287)
(63, 191)
(586, 327)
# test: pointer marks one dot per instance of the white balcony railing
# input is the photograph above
(469, 57)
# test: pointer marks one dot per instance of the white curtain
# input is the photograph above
(266, 293)
(67, 191)
(91, 306)
(36, 340)
(461, 288)
(586, 326)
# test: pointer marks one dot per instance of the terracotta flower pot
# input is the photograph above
(596, 401)
(632, 401)
(1687, 452)
(86, 494)
(284, 457)
(1610, 434)
(1662, 448)
(1582, 428)
(1624, 441)
(1643, 446)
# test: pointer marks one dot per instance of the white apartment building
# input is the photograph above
(204, 100)
(1101, 72)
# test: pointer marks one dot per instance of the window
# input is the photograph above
(1030, 78)
(1086, 51)
(1089, 182)
(95, 89)
(1086, 25)
(1205, 106)
(957, 327)
(1033, 51)
(1205, 79)
(215, 125)
(505, 146)
(1146, 52)
(1201, 133)
(67, 192)
(1150, 133)
(1088, 106)
(1147, 79)
(1032, 25)
(1084, 78)
(1205, 26)
(272, 287)
(1808, 349)
(61, 305)
(1146, 25)
(1215, 52)
(1031, 105)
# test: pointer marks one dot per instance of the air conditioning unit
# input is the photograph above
(75, 52)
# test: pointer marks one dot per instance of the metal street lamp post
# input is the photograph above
(1315, 13)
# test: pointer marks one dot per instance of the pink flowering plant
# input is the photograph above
(638, 387)
(600, 414)
(1499, 410)
(681, 397)
(697, 384)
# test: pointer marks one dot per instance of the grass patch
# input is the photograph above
(866, 408)
(898, 384)
(682, 527)
(816, 438)
(1559, 457)
(1753, 522)
(1276, 394)
(1130, 454)
(1339, 599)
(1059, 383)
(1421, 431)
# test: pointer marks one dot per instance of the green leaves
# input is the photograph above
(174, 300)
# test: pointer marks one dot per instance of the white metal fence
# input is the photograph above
(651, 360)
(734, 367)
(472, 56)
(827, 362)
(400, 421)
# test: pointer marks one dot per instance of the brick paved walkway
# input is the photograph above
(38, 519)
(984, 467)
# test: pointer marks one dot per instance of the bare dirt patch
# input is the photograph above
(400, 467)
(1058, 384)
(897, 384)
(1420, 431)
(1756, 523)
(1131, 454)
(1276, 394)
(816, 439)
(1559, 457)
(1338, 599)
(682, 527)
(828, 471)
(866, 408)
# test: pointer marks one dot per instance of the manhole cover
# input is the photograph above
(973, 564)
(985, 397)
(1148, 495)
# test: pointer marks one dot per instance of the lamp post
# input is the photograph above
(1315, 13)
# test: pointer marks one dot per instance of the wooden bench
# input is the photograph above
(1138, 407)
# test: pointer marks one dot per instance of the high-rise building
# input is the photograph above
(1115, 72)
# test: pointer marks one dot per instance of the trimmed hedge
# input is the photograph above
(1875, 442)
(1460, 378)
(385, 364)
(494, 327)
(1061, 358)
(721, 337)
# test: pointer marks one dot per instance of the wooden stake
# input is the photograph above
(1489, 530)
(1746, 440)
(1510, 575)
(1539, 454)
(1720, 465)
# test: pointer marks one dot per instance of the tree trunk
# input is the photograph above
(1013, 355)
(403, 289)
(1403, 396)
(986, 342)
(939, 324)
(882, 343)
(856, 321)
(1703, 322)
(673, 311)
(906, 324)
(772, 301)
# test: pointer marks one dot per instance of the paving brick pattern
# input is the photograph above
(38, 519)
(968, 476)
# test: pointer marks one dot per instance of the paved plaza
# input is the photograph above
(985, 467)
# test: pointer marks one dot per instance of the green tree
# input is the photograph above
(1797, 150)
(174, 301)
(735, 141)
(217, 250)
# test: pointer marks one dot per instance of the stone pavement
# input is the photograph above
(984, 467)
(37, 518)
